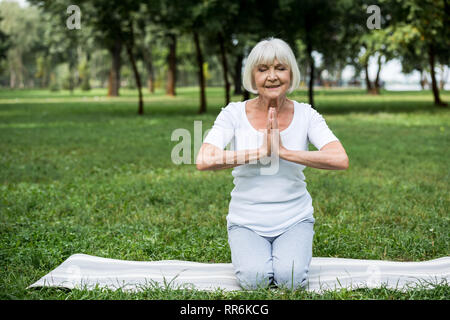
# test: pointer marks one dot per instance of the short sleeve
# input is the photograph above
(223, 129)
(318, 132)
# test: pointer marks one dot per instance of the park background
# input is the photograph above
(88, 106)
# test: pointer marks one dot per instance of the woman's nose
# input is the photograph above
(272, 75)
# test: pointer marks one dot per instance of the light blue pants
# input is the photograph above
(283, 260)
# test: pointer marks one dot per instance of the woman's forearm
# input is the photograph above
(225, 159)
(324, 159)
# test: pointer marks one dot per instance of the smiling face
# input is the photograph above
(272, 80)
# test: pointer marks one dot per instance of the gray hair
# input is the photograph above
(265, 52)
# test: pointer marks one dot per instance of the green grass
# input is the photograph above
(83, 173)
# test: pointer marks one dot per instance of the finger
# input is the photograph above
(274, 121)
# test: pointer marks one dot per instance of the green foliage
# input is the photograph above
(4, 42)
(53, 85)
(23, 28)
(416, 25)
(84, 174)
(84, 72)
(85, 85)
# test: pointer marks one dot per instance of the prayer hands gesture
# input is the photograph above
(272, 144)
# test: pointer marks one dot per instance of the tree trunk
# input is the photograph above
(150, 72)
(422, 82)
(71, 84)
(377, 78)
(444, 75)
(434, 85)
(151, 83)
(321, 81)
(12, 77)
(172, 63)
(114, 73)
(311, 74)
(21, 73)
(71, 78)
(129, 46)
(370, 87)
(339, 78)
(237, 78)
(223, 56)
(201, 76)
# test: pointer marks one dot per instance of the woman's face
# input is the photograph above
(272, 80)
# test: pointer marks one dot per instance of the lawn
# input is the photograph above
(83, 173)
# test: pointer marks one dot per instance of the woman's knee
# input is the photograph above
(251, 278)
(290, 276)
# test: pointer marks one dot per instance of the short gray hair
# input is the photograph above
(266, 51)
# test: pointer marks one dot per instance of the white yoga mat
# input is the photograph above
(85, 271)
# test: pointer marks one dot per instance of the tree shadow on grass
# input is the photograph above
(346, 102)
(373, 107)
(325, 107)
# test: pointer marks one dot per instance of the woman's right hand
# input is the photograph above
(266, 149)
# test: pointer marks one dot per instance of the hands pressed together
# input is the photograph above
(272, 143)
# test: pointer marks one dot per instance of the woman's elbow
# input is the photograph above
(203, 164)
(344, 163)
(200, 166)
(204, 156)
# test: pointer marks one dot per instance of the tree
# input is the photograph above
(169, 15)
(220, 23)
(202, 20)
(146, 35)
(314, 25)
(23, 27)
(201, 74)
(129, 44)
(4, 42)
(429, 19)
(113, 24)
(375, 43)
(195, 21)
(404, 43)
(106, 19)
(75, 47)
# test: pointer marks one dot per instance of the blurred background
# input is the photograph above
(165, 44)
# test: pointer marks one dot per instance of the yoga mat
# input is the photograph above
(89, 272)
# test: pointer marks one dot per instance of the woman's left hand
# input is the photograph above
(277, 144)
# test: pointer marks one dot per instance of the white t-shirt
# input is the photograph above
(269, 202)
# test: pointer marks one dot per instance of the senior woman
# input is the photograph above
(270, 218)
